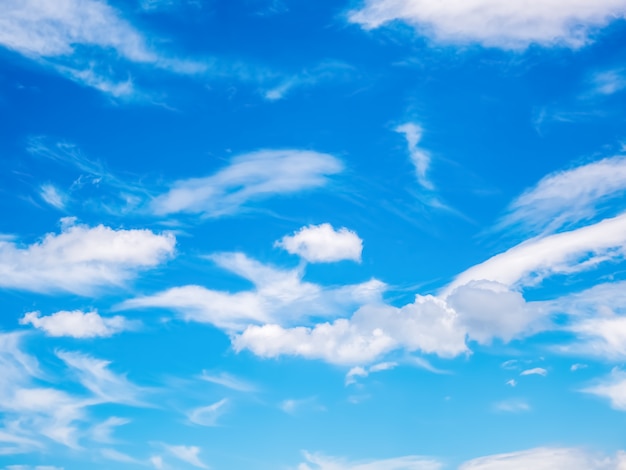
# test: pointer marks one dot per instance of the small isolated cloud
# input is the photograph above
(249, 177)
(514, 405)
(80, 259)
(578, 366)
(411, 462)
(77, 324)
(608, 82)
(564, 198)
(545, 458)
(612, 388)
(208, 415)
(514, 24)
(53, 196)
(292, 405)
(351, 376)
(117, 456)
(512, 383)
(536, 371)
(420, 158)
(323, 244)
(188, 454)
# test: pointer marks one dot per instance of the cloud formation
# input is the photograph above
(249, 177)
(514, 24)
(323, 244)
(412, 462)
(77, 324)
(81, 259)
(420, 158)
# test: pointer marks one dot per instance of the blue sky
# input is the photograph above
(279, 234)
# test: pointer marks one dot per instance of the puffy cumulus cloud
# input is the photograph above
(249, 177)
(323, 244)
(411, 462)
(514, 24)
(77, 324)
(546, 458)
(612, 388)
(489, 309)
(563, 253)
(80, 259)
(567, 197)
(428, 325)
(279, 296)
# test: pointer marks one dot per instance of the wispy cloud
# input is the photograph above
(187, 454)
(249, 177)
(567, 197)
(53, 196)
(419, 157)
(535, 371)
(228, 381)
(208, 415)
(612, 388)
(412, 462)
(280, 295)
(514, 405)
(513, 25)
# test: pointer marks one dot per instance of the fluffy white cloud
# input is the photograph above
(545, 458)
(188, 454)
(323, 244)
(249, 177)
(567, 197)
(513, 24)
(562, 253)
(412, 462)
(612, 388)
(420, 158)
(489, 309)
(77, 324)
(428, 325)
(81, 259)
(279, 296)
(208, 415)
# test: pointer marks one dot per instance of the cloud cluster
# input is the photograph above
(81, 259)
(279, 295)
(249, 177)
(514, 24)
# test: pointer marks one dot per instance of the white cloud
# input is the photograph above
(53, 196)
(187, 454)
(545, 458)
(577, 366)
(535, 371)
(96, 376)
(512, 383)
(428, 325)
(351, 376)
(562, 253)
(102, 432)
(69, 34)
(412, 462)
(157, 461)
(480, 305)
(420, 158)
(279, 296)
(612, 388)
(608, 82)
(564, 198)
(117, 456)
(77, 324)
(208, 415)
(323, 244)
(514, 24)
(249, 177)
(81, 259)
